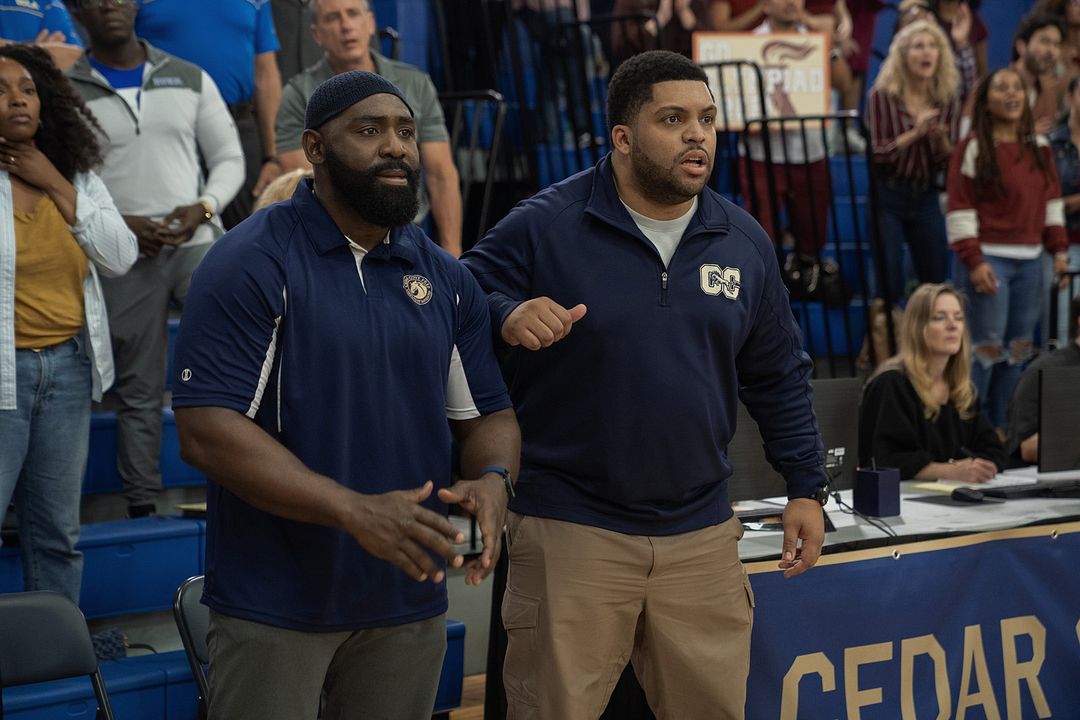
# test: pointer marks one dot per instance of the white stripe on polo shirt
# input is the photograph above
(268, 362)
(459, 400)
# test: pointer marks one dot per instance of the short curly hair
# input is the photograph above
(631, 85)
(66, 136)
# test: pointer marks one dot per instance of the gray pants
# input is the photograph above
(261, 672)
(138, 304)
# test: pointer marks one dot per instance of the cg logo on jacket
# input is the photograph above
(716, 280)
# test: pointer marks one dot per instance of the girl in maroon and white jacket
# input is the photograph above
(1004, 207)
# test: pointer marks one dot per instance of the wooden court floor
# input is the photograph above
(472, 699)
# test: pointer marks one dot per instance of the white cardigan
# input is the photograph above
(111, 248)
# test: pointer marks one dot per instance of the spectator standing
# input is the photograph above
(298, 50)
(914, 117)
(1036, 52)
(1004, 207)
(344, 29)
(863, 23)
(235, 43)
(676, 21)
(58, 230)
(1067, 13)
(832, 18)
(920, 412)
(325, 346)
(610, 535)
(1065, 142)
(959, 36)
(735, 15)
(803, 188)
(966, 13)
(160, 115)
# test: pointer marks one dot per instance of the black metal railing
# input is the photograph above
(475, 121)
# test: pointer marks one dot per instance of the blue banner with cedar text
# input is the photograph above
(978, 627)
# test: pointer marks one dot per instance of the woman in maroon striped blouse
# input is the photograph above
(914, 117)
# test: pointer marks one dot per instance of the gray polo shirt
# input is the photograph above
(414, 84)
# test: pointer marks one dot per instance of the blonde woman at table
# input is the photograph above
(919, 412)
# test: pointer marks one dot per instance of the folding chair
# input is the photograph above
(43, 636)
(192, 622)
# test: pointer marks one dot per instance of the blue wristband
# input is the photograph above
(508, 481)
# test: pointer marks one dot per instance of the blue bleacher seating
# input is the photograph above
(160, 687)
(134, 566)
(129, 566)
(174, 471)
(812, 319)
(181, 695)
(840, 182)
(134, 692)
(101, 473)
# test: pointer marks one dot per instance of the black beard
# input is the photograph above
(658, 183)
(376, 202)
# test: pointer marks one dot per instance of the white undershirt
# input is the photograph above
(663, 234)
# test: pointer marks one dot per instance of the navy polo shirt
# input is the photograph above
(355, 367)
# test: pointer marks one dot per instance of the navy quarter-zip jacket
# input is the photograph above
(625, 421)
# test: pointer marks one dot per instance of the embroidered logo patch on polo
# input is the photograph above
(418, 287)
(716, 280)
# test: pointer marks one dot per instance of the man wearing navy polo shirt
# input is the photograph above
(325, 342)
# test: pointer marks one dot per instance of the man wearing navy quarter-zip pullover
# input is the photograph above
(640, 307)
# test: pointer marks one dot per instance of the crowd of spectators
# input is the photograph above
(174, 116)
(118, 175)
(995, 147)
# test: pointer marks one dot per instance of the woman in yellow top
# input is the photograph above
(58, 229)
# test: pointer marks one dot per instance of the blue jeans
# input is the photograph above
(43, 446)
(912, 216)
(1003, 326)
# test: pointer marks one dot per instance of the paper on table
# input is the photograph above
(938, 486)
(1000, 480)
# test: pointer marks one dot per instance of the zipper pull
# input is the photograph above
(663, 280)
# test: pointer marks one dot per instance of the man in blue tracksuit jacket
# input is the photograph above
(622, 544)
